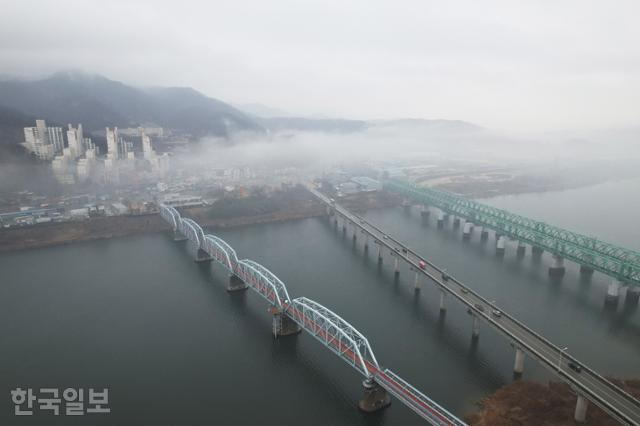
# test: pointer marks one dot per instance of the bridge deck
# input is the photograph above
(593, 386)
(618, 262)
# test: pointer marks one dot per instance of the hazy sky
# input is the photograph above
(512, 65)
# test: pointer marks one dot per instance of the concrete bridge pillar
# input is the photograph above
(396, 267)
(475, 328)
(613, 293)
(355, 233)
(466, 231)
(443, 306)
(580, 415)
(335, 221)
(282, 324)
(557, 266)
(536, 251)
(518, 364)
(425, 213)
(375, 397)
(366, 243)
(441, 219)
(416, 282)
(500, 245)
(236, 283)
(632, 296)
(586, 270)
(456, 222)
(202, 256)
(177, 236)
(484, 234)
(521, 249)
(380, 253)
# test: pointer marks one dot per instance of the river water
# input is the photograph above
(138, 316)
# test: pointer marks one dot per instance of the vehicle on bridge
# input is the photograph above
(575, 367)
(422, 264)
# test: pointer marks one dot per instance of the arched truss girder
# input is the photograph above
(221, 251)
(171, 215)
(264, 281)
(193, 231)
(335, 333)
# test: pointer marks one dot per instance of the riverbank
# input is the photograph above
(530, 403)
(222, 214)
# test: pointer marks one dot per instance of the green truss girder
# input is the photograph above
(618, 262)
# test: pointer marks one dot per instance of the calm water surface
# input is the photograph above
(138, 316)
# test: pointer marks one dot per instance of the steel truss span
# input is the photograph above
(335, 333)
(618, 262)
(324, 325)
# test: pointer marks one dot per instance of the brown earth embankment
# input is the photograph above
(529, 403)
(222, 214)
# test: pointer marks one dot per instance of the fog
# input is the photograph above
(508, 66)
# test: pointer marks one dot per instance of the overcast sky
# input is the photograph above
(508, 65)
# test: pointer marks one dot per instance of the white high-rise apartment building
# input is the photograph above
(76, 141)
(45, 142)
(113, 142)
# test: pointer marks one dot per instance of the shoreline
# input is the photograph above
(99, 228)
(533, 403)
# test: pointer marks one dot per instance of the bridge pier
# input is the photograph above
(425, 213)
(536, 251)
(580, 415)
(282, 324)
(613, 293)
(380, 253)
(475, 328)
(500, 245)
(375, 397)
(177, 236)
(416, 282)
(632, 296)
(484, 234)
(236, 283)
(518, 364)
(456, 222)
(441, 220)
(443, 306)
(466, 231)
(586, 270)
(557, 266)
(396, 267)
(366, 243)
(202, 256)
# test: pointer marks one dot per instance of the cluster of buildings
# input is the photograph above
(78, 160)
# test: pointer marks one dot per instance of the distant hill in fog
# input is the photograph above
(97, 102)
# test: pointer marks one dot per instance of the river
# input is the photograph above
(138, 316)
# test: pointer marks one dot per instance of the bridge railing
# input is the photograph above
(596, 398)
(618, 262)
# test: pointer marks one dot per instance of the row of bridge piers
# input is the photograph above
(556, 269)
(376, 396)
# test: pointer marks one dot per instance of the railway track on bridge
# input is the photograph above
(293, 315)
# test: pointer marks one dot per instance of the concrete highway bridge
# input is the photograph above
(290, 316)
(587, 383)
(620, 263)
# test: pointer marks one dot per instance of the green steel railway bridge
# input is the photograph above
(622, 264)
